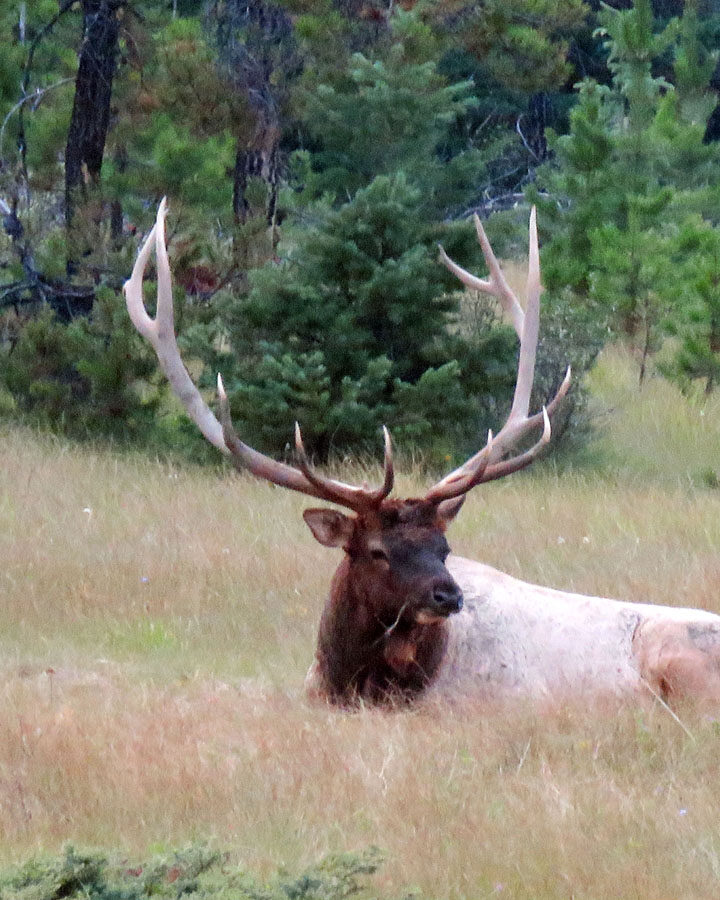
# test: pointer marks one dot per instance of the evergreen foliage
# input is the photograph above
(81, 377)
(386, 115)
(523, 45)
(196, 873)
(352, 332)
(631, 169)
(696, 324)
(314, 153)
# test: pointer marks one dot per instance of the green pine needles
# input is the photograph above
(195, 873)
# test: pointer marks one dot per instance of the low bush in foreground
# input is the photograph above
(195, 872)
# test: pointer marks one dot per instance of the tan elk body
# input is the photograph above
(523, 639)
(406, 620)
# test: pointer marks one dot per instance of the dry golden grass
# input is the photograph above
(157, 623)
(655, 433)
(548, 803)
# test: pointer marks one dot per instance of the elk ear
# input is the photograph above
(330, 527)
(448, 509)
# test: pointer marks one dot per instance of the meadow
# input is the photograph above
(156, 625)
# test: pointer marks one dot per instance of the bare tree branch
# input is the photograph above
(25, 83)
(36, 97)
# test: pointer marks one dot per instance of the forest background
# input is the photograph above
(315, 152)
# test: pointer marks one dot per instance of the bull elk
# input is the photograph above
(404, 618)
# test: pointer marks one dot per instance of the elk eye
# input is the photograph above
(377, 553)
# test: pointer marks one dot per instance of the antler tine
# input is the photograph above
(485, 472)
(485, 465)
(245, 457)
(388, 465)
(160, 330)
(515, 463)
(160, 333)
(165, 313)
(304, 479)
(496, 285)
(530, 331)
(331, 489)
(466, 475)
(463, 479)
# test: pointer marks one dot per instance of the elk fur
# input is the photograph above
(514, 639)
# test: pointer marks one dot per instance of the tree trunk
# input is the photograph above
(91, 106)
(255, 216)
(256, 159)
(539, 111)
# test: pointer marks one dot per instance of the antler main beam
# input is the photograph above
(488, 463)
(160, 333)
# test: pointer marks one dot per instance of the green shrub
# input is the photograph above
(195, 872)
(80, 377)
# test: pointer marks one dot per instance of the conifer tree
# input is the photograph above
(386, 114)
(523, 45)
(80, 377)
(696, 323)
(353, 332)
(632, 168)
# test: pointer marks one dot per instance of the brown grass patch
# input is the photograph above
(156, 624)
(544, 802)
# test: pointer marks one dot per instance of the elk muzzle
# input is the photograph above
(445, 600)
(448, 598)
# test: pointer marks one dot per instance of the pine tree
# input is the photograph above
(80, 378)
(696, 324)
(522, 45)
(633, 167)
(385, 114)
(353, 332)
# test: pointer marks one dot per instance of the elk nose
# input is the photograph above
(448, 598)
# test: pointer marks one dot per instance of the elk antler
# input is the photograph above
(160, 332)
(487, 464)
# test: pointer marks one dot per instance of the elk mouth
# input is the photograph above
(444, 603)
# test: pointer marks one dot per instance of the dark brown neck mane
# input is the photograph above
(361, 657)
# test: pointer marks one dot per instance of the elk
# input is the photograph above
(404, 619)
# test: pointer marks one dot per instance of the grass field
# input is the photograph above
(156, 624)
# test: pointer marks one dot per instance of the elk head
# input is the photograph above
(383, 630)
